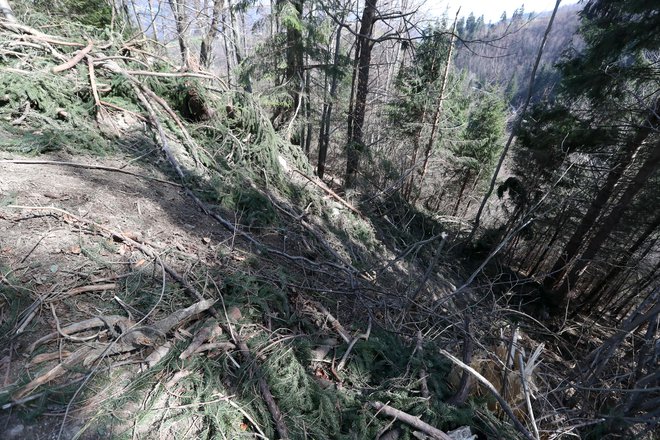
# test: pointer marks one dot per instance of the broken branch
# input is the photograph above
(75, 60)
(411, 420)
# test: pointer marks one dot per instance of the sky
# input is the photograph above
(491, 9)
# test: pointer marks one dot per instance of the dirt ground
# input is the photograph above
(43, 253)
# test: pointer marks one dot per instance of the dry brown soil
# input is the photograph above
(43, 253)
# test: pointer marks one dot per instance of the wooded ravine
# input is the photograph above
(328, 219)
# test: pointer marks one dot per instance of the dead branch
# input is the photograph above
(249, 418)
(131, 338)
(85, 289)
(364, 336)
(419, 348)
(88, 324)
(121, 109)
(334, 195)
(208, 332)
(411, 420)
(92, 83)
(505, 406)
(193, 147)
(91, 167)
(167, 324)
(530, 411)
(213, 346)
(322, 314)
(465, 384)
(47, 357)
(75, 60)
(153, 120)
(23, 29)
(234, 230)
(20, 119)
(121, 237)
(53, 373)
(274, 409)
(178, 75)
(66, 335)
(272, 406)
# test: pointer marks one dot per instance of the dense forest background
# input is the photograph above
(487, 194)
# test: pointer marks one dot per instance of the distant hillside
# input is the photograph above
(505, 51)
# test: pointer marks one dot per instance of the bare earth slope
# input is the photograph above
(48, 256)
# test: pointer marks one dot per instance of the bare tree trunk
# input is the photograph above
(324, 132)
(516, 127)
(599, 202)
(623, 307)
(466, 179)
(438, 111)
(206, 48)
(308, 115)
(138, 21)
(622, 263)
(294, 56)
(293, 81)
(607, 225)
(153, 17)
(236, 47)
(558, 228)
(179, 12)
(356, 116)
(6, 12)
(229, 56)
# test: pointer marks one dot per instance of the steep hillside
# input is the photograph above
(502, 54)
(175, 270)
(172, 268)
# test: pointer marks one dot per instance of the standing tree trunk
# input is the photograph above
(324, 132)
(244, 78)
(307, 130)
(438, 109)
(179, 11)
(206, 47)
(607, 225)
(466, 179)
(6, 12)
(294, 72)
(598, 204)
(294, 54)
(356, 117)
(516, 127)
(152, 19)
(138, 20)
(621, 264)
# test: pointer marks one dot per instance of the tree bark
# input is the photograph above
(356, 145)
(621, 264)
(438, 111)
(599, 202)
(206, 47)
(294, 56)
(244, 79)
(324, 132)
(516, 127)
(6, 12)
(608, 224)
(179, 12)
(152, 19)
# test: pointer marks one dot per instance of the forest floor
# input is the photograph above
(255, 302)
(83, 257)
(52, 254)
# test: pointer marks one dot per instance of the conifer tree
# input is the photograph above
(609, 105)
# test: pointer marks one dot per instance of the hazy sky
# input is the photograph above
(491, 9)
